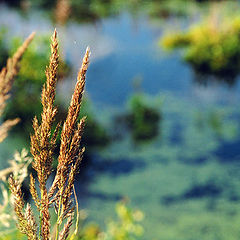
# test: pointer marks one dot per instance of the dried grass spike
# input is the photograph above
(5, 127)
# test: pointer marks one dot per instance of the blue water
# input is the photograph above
(199, 131)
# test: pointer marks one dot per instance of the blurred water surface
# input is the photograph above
(186, 179)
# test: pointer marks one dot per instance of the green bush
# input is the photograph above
(212, 46)
(142, 119)
(126, 227)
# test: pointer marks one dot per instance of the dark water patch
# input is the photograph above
(118, 167)
(168, 200)
(194, 161)
(233, 196)
(93, 166)
(95, 136)
(176, 132)
(205, 190)
(229, 151)
(209, 80)
(105, 196)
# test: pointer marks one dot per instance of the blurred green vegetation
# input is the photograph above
(212, 46)
(126, 226)
(92, 10)
(142, 120)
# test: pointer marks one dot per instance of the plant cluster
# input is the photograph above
(126, 227)
(212, 46)
(43, 143)
(141, 120)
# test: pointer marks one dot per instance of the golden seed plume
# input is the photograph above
(70, 150)
(71, 134)
(42, 141)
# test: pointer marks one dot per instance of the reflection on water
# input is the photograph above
(206, 80)
(190, 167)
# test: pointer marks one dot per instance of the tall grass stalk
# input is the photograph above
(43, 145)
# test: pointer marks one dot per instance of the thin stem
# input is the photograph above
(40, 216)
(59, 213)
(76, 201)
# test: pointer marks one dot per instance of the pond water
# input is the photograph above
(187, 177)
